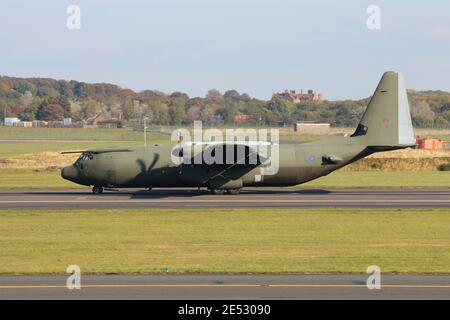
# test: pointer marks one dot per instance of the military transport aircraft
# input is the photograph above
(385, 125)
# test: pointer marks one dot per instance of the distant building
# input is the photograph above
(446, 145)
(112, 124)
(25, 124)
(67, 121)
(297, 97)
(429, 143)
(98, 119)
(40, 123)
(11, 121)
(55, 124)
(102, 121)
(312, 128)
(240, 118)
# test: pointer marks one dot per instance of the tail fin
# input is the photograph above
(387, 121)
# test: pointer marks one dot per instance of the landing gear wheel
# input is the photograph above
(217, 191)
(97, 190)
(234, 191)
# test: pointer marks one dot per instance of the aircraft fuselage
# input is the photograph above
(152, 166)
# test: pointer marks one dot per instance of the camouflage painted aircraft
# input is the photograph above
(385, 125)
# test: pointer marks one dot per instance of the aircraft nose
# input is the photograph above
(69, 173)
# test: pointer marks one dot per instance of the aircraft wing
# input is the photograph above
(98, 151)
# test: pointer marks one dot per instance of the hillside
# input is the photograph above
(50, 99)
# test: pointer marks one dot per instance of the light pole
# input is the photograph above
(145, 131)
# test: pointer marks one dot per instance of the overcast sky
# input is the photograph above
(253, 46)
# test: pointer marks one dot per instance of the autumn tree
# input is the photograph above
(215, 97)
(50, 112)
(29, 113)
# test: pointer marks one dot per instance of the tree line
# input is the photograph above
(48, 99)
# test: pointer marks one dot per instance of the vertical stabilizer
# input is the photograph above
(387, 120)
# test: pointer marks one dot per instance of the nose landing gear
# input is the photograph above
(97, 190)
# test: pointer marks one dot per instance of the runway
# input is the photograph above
(249, 198)
(212, 287)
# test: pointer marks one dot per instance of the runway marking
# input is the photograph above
(417, 286)
(229, 201)
(99, 286)
(130, 286)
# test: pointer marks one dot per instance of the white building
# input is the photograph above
(11, 121)
(312, 128)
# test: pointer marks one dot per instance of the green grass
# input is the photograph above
(126, 134)
(225, 241)
(32, 179)
(444, 137)
(382, 179)
(18, 133)
(17, 149)
(29, 178)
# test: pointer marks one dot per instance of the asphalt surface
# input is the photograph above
(212, 287)
(254, 198)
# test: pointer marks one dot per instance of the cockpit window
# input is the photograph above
(86, 156)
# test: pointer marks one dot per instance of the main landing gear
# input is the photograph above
(234, 191)
(222, 191)
(97, 190)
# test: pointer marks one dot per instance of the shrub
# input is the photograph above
(444, 167)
